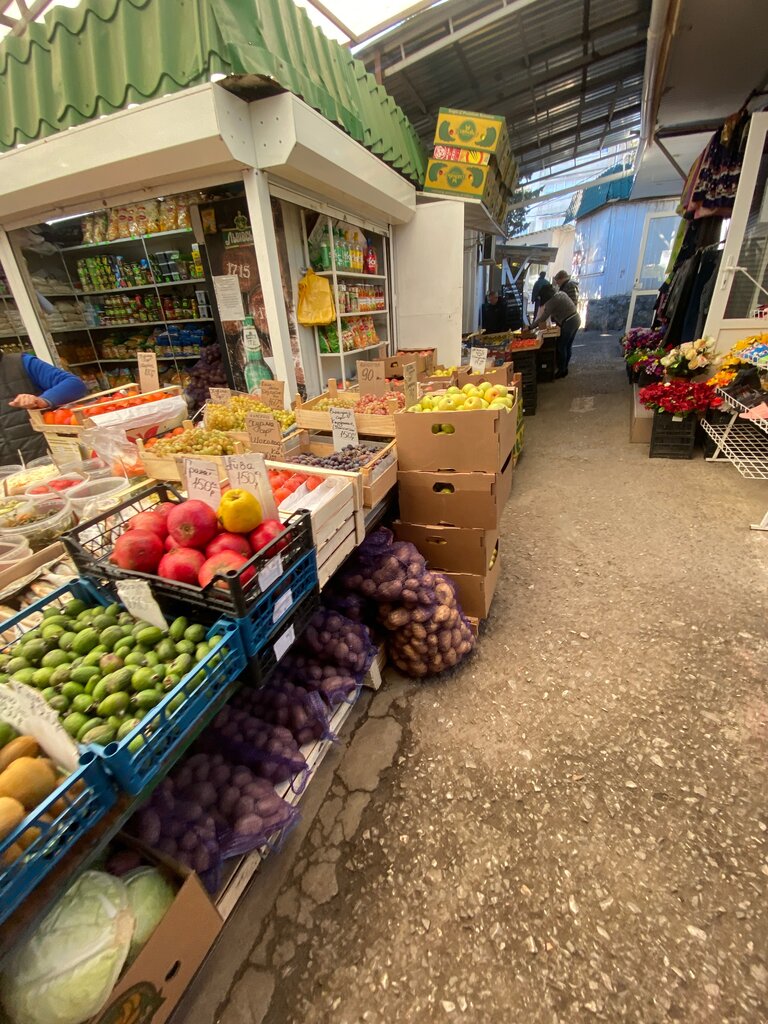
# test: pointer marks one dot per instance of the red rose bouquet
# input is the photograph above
(679, 397)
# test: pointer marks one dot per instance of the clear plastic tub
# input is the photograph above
(56, 485)
(95, 496)
(89, 469)
(41, 522)
(12, 551)
(10, 509)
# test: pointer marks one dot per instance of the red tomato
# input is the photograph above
(281, 494)
(313, 482)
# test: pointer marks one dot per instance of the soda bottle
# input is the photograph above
(256, 369)
(371, 260)
(325, 250)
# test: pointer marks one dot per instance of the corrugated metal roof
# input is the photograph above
(566, 74)
(97, 58)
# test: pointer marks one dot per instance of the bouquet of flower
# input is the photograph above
(646, 361)
(680, 397)
(640, 338)
(688, 359)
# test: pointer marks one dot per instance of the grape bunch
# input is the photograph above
(196, 442)
(379, 405)
(349, 459)
(339, 402)
(232, 416)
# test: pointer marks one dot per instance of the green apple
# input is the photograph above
(448, 428)
(473, 403)
(446, 404)
(485, 385)
(468, 389)
(453, 390)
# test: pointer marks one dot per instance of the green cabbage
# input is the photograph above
(150, 895)
(65, 972)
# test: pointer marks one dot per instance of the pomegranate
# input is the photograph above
(182, 565)
(170, 543)
(229, 542)
(192, 524)
(223, 562)
(266, 532)
(151, 521)
(164, 508)
(139, 550)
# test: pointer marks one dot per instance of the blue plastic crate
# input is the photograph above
(86, 795)
(149, 749)
(276, 605)
(291, 628)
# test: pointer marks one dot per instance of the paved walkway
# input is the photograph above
(573, 826)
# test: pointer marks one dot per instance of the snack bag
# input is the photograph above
(152, 216)
(168, 213)
(123, 222)
(100, 225)
(182, 212)
(86, 225)
(113, 224)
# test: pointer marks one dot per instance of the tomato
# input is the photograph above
(62, 416)
(313, 482)
(281, 494)
(295, 481)
(49, 417)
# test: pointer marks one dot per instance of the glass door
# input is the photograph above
(659, 232)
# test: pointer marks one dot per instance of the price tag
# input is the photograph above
(344, 428)
(370, 376)
(148, 378)
(477, 360)
(26, 710)
(282, 605)
(249, 473)
(273, 393)
(285, 641)
(264, 434)
(139, 600)
(220, 396)
(203, 481)
(272, 571)
(410, 384)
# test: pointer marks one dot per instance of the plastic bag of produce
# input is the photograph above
(255, 814)
(66, 970)
(296, 708)
(336, 640)
(270, 751)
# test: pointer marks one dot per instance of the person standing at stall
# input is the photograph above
(556, 306)
(538, 284)
(494, 314)
(27, 382)
(565, 283)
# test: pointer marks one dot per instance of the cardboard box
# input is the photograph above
(475, 593)
(455, 499)
(481, 440)
(470, 130)
(452, 548)
(452, 178)
(163, 970)
(495, 374)
(425, 359)
(640, 419)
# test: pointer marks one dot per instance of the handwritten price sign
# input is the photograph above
(148, 378)
(220, 396)
(249, 473)
(264, 434)
(478, 357)
(138, 598)
(370, 376)
(344, 428)
(273, 393)
(203, 481)
(410, 384)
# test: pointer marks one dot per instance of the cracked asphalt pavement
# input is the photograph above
(571, 826)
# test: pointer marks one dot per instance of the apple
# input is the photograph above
(468, 389)
(473, 403)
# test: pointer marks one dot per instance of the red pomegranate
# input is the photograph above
(223, 562)
(192, 524)
(138, 550)
(228, 542)
(152, 521)
(182, 565)
(266, 532)
(170, 543)
(164, 508)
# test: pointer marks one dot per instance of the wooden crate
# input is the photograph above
(372, 482)
(171, 467)
(336, 550)
(85, 422)
(309, 417)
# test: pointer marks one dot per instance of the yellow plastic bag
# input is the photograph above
(315, 301)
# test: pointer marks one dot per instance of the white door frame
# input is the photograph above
(636, 290)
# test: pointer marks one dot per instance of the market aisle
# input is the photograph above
(573, 826)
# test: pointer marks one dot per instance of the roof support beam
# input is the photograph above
(509, 7)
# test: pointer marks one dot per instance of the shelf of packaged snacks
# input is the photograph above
(368, 312)
(133, 323)
(133, 359)
(359, 275)
(352, 351)
(142, 287)
(90, 246)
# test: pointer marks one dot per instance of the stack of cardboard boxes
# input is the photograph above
(453, 485)
(472, 158)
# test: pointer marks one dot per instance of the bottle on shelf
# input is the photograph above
(371, 260)
(325, 250)
(256, 369)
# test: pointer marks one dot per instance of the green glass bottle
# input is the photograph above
(256, 369)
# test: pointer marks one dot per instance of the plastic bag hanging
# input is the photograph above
(315, 301)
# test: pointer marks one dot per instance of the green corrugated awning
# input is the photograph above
(95, 59)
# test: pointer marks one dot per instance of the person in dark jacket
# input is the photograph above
(538, 284)
(27, 382)
(494, 314)
(565, 283)
(556, 306)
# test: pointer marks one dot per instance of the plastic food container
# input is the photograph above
(10, 509)
(12, 551)
(88, 469)
(56, 485)
(41, 522)
(27, 476)
(95, 496)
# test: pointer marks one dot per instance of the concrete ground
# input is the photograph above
(572, 826)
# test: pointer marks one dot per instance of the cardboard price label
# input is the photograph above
(148, 378)
(410, 384)
(371, 377)
(478, 357)
(273, 393)
(281, 646)
(220, 396)
(139, 600)
(203, 481)
(344, 428)
(28, 712)
(249, 473)
(264, 434)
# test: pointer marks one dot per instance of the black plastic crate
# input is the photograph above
(268, 658)
(672, 437)
(90, 545)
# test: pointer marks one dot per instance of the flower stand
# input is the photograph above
(672, 437)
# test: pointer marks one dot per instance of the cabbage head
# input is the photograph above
(65, 971)
(150, 895)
